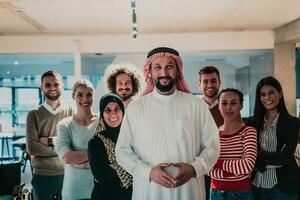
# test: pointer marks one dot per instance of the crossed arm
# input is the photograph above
(63, 147)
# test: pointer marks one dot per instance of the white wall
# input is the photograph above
(125, 44)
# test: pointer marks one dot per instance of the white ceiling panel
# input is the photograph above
(80, 17)
(67, 17)
(10, 23)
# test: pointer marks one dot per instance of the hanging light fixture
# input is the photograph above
(134, 23)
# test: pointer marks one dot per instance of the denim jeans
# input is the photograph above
(227, 195)
(273, 194)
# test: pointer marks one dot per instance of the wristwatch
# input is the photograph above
(50, 141)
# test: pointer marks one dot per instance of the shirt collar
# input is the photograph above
(215, 103)
(51, 110)
(165, 98)
(274, 122)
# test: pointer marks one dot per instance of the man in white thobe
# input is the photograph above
(168, 139)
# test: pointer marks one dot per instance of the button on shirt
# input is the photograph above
(268, 143)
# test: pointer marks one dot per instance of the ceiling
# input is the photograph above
(114, 17)
(65, 17)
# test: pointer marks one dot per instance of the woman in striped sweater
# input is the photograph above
(230, 177)
(276, 174)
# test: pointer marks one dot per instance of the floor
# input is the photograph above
(26, 177)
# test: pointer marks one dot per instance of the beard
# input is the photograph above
(124, 96)
(53, 98)
(164, 88)
(211, 94)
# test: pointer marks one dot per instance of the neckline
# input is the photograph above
(165, 98)
(274, 120)
(236, 132)
(51, 110)
(76, 122)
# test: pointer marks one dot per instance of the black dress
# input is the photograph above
(107, 182)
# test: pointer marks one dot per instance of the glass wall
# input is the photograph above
(5, 108)
(20, 76)
(238, 69)
(20, 81)
(26, 100)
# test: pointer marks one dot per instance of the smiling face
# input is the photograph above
(84, 97)
(124, 86)
(269, 97)
(210, 85)
(113, 114)
(230, 106)
(163, 73)
(51, 87)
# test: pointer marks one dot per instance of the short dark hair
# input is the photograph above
(116, 70)
(236, 91)
(259, 109)
(209, 70)
(51, 73)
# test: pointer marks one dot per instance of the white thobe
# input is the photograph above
(167, 129)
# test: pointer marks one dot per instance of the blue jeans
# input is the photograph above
(273, 194)
(227, 195)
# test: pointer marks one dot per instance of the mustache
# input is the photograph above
(124, 89)
(168, 77)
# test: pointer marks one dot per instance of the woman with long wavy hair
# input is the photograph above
(276, 174)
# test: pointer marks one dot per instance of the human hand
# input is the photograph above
(159, 176)
(85, 165)
(186, 172)
(260, 164)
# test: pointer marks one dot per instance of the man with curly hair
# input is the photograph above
(123, 79)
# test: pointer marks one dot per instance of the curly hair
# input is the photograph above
(113, 70)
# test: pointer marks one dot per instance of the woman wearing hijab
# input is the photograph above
(111, 180)
(277, 175)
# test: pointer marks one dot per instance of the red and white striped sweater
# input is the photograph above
(236, 162)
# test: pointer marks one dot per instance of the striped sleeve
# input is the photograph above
(245, 164)
(220, 174)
